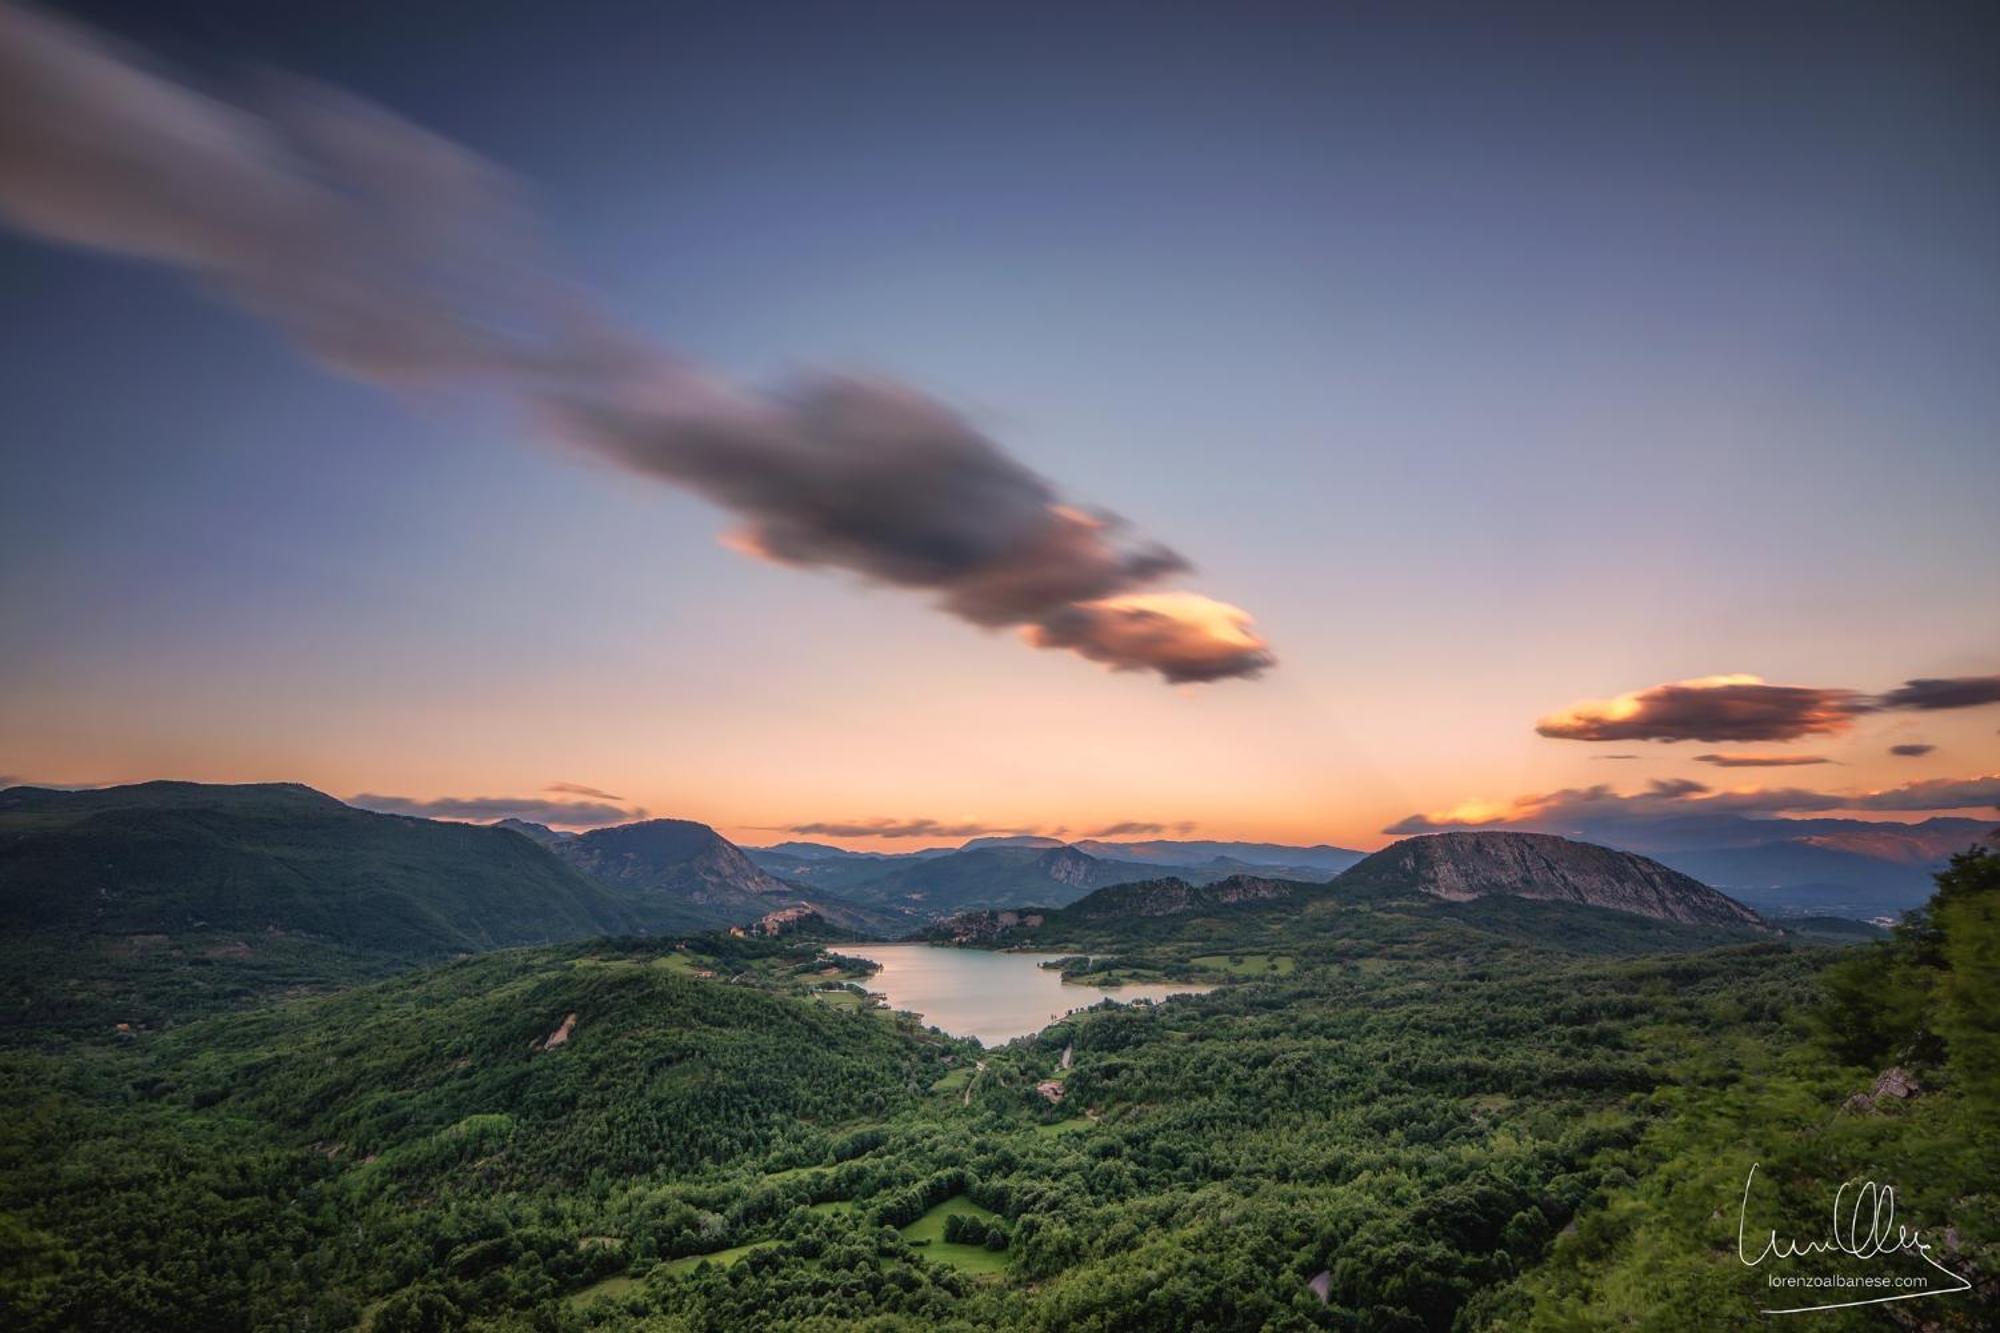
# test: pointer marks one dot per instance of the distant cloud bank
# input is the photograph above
(902, 828)
(578, 789)
(1600, 807)
(1761, 760)
(488, 809)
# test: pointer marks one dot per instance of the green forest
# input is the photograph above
(1481, 1119)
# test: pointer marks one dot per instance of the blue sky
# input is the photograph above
(1489, 361)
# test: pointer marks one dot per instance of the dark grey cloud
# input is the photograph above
(1711, 708)
(394, 256)
(1617, 756)
(1747, 708)
(1911, 750)
(487, 809)
(902, 828)
(1926, 693)
(578, 789)
(1761, 760)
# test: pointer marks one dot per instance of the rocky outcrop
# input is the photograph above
(560, 1036)
(1895, 1084)
(1066, 865)
(788, 921)
(1463, 866)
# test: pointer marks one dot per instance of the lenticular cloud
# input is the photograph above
(392, 255)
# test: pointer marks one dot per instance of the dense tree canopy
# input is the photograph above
(1439, 1126)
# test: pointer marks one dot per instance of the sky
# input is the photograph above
(1463, 366)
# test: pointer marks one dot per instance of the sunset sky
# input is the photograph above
(1475, 373)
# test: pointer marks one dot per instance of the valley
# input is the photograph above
(1435, 1091)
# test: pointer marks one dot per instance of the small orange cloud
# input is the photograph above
(1184, 636)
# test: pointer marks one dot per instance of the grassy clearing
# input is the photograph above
(1248, 964)
(722, 1258)
(1061, 1127)
(839, 999)
(928, 1231)
(611, 1289)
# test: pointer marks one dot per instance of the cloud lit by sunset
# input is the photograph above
(1184, 636)
(1707, 708)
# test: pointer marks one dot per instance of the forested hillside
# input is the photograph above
(1462, 1131)
(127, 904)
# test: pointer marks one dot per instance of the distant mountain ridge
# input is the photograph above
(1860, 868)
(1424, 893)
(1176, 897)
(1319, 856)
(1792, 865)
(166, 857)
(681, 870)
(997, 876)
(1004, 871)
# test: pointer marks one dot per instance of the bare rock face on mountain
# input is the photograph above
(1463, 866)
(1066, 865)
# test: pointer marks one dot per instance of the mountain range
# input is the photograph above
(674, 870)
(1446, 894)
(1782, 867)
(172, 857)
(1789, 867)
(144, 888)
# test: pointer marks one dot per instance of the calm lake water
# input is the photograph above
(995, 997)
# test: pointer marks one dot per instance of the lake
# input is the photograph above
(995, 997)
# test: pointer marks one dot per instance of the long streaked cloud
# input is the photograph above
(487, 809)
(1927, 693)
(1138, 828)
(578, 789)
(1678, 798)
(394, 256)
(902, 828)
(1911, 750)
(1761, 760)
(1708, 708)
(1749, 708)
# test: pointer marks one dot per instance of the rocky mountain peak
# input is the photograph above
(1463, 866)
